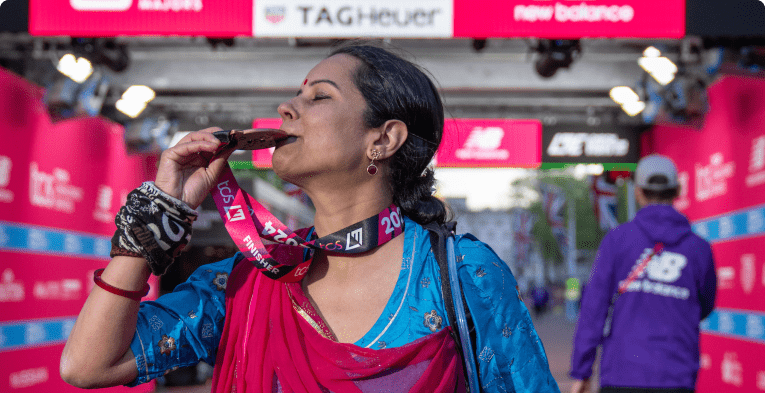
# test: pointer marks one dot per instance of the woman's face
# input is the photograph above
(328, 138)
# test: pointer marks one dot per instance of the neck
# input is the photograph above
(339, 208)
(657, 202)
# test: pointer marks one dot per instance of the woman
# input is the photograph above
(363, 128)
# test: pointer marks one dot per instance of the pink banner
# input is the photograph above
(61, 184)
(491, 143)
(93, 18)
(556, 19)
(562, 19)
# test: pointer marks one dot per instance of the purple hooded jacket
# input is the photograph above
(654, 340)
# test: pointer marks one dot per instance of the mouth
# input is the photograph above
(285, 141)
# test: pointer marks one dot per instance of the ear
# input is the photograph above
(388, 138)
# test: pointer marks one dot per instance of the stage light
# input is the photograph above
(139, 93)
(478, 44)
(555, 54)
(627, 99)
(134, 100)
(130, 108)
(78, 69)
(623, 94)
(633, 108)
(595, 169)
(662, 69)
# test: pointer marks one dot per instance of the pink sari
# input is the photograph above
(274, 341)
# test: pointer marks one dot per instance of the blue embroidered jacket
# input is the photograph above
(184, 327)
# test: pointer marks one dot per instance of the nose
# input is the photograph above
(287, 111)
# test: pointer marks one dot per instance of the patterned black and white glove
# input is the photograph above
(153, 224)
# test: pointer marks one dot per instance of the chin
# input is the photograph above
(285, 171)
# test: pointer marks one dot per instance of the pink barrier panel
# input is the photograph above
(722, 166)
(722, 177)
(60, 187)
(741, 274)
(731, 365)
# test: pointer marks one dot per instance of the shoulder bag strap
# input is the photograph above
(444, 250)
(635, 273)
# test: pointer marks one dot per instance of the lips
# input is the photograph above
(286, 141)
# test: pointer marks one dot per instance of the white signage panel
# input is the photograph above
(353, 18)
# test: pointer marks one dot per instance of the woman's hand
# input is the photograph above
(189, 169)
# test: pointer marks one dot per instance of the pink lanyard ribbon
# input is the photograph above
(247, 221)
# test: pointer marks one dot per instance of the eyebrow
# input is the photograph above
(321, 81)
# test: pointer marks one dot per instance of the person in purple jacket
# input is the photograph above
(652, 282)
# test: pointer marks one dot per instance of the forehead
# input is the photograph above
(338, 68)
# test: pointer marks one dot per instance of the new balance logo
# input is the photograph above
(357, 235)
(234, 213)
(488, 138)
(483, 144)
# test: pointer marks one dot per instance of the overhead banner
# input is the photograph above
(562, 19)
(554, 19)
(106, 18)
(721, 170)
(353, 18)
(61, 184)
(585, 144)
(466, 143)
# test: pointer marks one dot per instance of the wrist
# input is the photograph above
(128, 273)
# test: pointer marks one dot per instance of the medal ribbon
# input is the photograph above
(247, 221)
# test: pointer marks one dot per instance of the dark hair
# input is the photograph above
(666, 195)
(395, 88)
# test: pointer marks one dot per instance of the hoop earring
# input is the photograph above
(372, 168)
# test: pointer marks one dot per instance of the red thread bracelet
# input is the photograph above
(135, 295)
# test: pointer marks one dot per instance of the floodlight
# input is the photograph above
(659, 67)
(623, 94)
(627, 99)
(134, 100)
(139, 93)
(78, 69)
(633, 108)
(130, 107)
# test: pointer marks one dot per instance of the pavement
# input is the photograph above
(553, 328)
(557, 333)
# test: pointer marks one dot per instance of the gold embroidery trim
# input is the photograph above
(305, 315)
